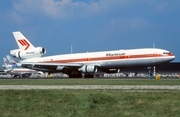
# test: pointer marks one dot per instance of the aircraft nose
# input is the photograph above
(172, 56)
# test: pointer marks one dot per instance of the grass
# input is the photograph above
(89, 82)
(88, 103)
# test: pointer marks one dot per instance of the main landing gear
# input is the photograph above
(79, 75)
(75, 75)
(88, 75)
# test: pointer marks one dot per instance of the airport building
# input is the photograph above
(166, 70)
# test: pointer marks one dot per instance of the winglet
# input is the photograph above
(22, 41)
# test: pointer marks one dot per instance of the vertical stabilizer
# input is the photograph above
(5, 62)
(10, 59)
(22, 41)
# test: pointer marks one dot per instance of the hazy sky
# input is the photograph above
(91, 25)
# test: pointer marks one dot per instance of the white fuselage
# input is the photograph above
(112, 59)
(22, 70)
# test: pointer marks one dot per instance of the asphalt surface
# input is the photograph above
(87, 87)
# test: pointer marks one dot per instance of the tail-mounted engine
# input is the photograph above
(30, 53)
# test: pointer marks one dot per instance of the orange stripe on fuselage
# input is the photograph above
(108, 58)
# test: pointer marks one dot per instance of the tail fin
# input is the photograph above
(22, 41)
(12, 61)
(6, 63)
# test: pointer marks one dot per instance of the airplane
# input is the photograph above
(6, 67)
(87, 64)
(12, 62)
(12, 68)
(3, 71)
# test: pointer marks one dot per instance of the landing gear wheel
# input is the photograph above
(89, 76)
(74, 75)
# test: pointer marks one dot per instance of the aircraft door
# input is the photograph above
(126, 62)
(155, 56)
(124, 59)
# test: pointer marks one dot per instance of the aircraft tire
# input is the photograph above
(89, 76)
(75, 75)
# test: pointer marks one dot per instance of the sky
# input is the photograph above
(91, 25)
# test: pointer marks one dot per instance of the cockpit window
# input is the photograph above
(166, 53)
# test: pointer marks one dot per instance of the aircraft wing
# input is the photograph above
(53, 67)
(49, 66)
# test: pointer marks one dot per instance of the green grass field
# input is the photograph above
(89, 82)
(89, 103)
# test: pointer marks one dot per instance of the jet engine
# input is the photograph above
(30, 53)
(88, 69)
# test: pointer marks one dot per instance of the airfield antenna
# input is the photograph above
(71, 49)
(153, 44)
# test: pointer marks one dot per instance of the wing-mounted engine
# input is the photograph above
(30, 53)
(88, 69)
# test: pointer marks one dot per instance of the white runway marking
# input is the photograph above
(123, 87)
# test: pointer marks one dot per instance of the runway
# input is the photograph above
(88, 87)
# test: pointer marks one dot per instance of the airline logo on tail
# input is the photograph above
(23, 42)
(10, 59)
(5, 62)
